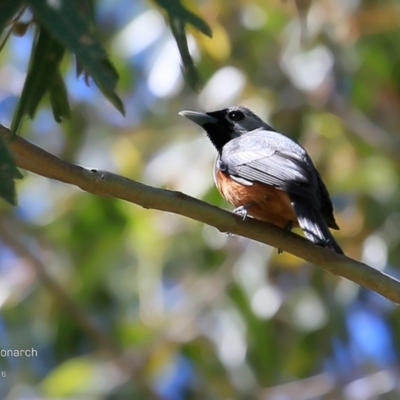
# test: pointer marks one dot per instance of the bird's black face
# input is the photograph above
(230, 115)
(224, 125)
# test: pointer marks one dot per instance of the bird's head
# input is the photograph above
(226, 124)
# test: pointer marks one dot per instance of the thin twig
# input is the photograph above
(10, 29)
(103, 183)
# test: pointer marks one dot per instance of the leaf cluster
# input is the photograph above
(69, 26)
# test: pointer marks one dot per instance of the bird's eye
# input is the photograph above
(235, 115)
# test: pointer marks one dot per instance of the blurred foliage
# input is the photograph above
(126, 303)
(8, 172)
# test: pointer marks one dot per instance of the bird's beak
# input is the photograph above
(199, 118)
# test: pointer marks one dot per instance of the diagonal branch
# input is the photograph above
(103, 183)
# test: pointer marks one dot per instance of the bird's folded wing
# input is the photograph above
(284, 171)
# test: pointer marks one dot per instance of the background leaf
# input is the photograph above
(189, 68)
(178, 17)
(8, 173)
(59, 98)
(47, 54)
(68, 24)
(177, 10)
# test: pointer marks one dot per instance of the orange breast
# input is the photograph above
(270, 204)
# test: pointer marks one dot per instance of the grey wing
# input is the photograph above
(276, 161)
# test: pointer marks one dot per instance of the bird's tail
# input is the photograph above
(314, 226)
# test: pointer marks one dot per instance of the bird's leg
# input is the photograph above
(288, 227)
(243, 210)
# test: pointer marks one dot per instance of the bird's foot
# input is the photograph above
(243, 210)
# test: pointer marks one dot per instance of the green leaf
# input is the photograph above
(175, 9)
(8, 172)
(178, 16)
(68, 22)
(8, 8)
(46, 56)
(190, 71)
(107, 91)
(59, 98)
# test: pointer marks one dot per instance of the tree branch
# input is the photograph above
(103, 183)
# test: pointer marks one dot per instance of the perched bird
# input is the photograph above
(267, 175)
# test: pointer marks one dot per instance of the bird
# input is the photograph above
(267, 175)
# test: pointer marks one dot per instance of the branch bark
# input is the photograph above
(103, 183)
